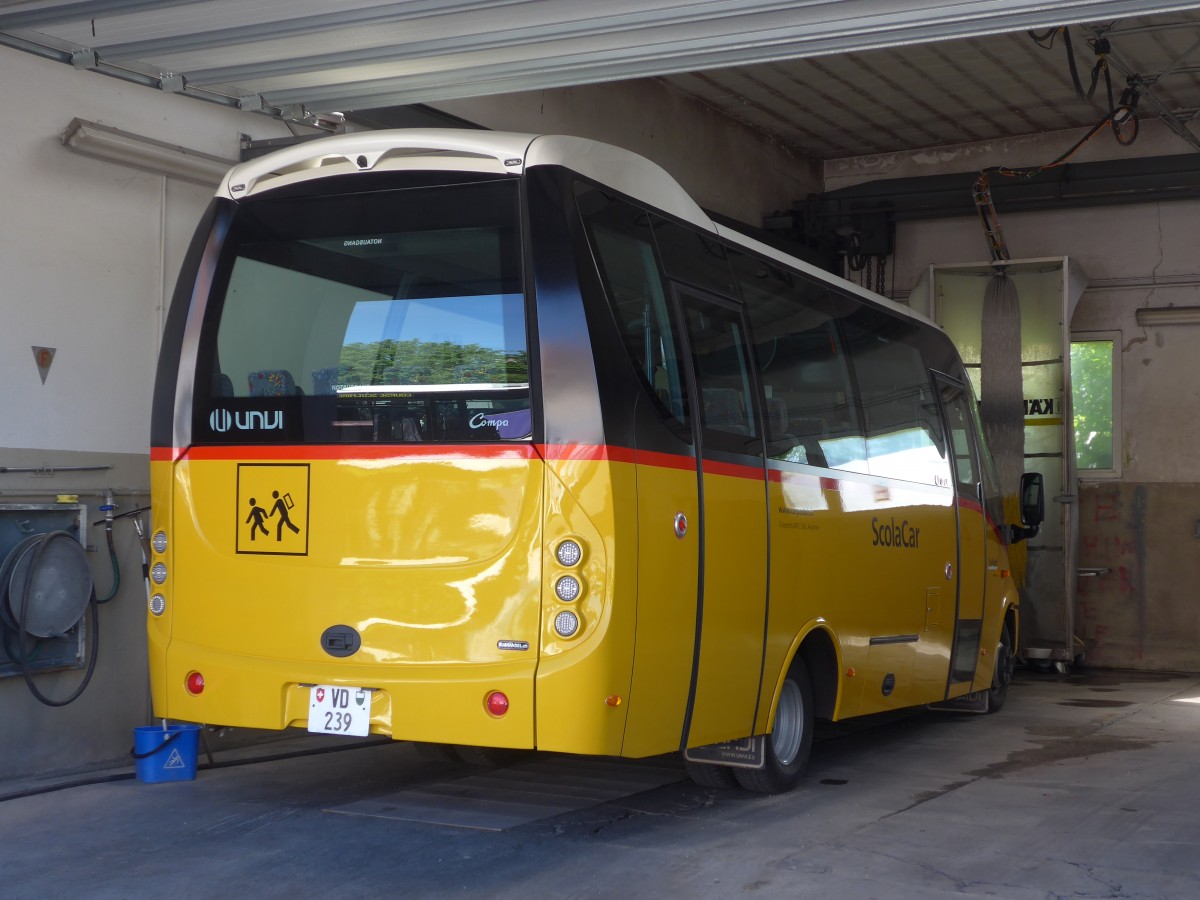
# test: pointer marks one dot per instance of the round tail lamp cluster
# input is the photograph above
(569, 587)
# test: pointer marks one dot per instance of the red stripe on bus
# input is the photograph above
(975, 506)
(732, 470)
(585, 452)
(443, 452)
(664, 460)
(344, 452)
(965, 502)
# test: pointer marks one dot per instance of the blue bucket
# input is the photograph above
(165, 754)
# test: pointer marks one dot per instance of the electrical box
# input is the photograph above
(17, 522)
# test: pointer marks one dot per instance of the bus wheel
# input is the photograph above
(1003, 673)
(439, 753)
(790, 740)
(710, 774)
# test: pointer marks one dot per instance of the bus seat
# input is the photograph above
(272, 383)
(723, 411)
(409, 430)
(777, 419)
(325, 380)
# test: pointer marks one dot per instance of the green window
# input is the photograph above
(1093, 377)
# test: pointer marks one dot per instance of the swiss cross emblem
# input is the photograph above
(320, 695)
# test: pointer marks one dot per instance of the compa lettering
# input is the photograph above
(890, 534)
(482, 420)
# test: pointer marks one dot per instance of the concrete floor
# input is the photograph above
(1086, 786)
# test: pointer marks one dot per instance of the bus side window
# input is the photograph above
(694, 258)
(803, 368)
(621, 242)
(900, 407)
(957, 406)
(721, 361)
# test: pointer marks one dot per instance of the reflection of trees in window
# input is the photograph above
(1091, 396)
(429, 362)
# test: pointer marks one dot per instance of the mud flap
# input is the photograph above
(744, 753)
(976, 702)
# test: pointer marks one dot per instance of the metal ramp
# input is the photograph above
(504, 798)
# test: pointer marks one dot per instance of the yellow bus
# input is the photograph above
(497, 440)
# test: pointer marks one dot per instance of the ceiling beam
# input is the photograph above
(1144, 88)
(503, 45)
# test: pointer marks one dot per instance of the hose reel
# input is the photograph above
(46, 584)
(45, 588)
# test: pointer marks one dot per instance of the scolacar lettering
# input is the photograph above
(889, 534)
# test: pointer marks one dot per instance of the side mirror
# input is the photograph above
(1033, 499)
(1033, 507)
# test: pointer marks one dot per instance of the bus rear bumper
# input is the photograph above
(411, 702)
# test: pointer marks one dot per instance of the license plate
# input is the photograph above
(339, 710)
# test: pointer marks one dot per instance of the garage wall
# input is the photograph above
(1142, 526)
(726, 168)
(88, 251)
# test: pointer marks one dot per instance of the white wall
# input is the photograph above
(87, 248)
(88, 256)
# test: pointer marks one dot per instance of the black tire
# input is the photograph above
(711, 775)
(790, 740)
(1002, 673)
(435, 753)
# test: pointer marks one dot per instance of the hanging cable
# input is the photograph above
(1045, 39)
(1124, 115)
(982, 194)
(107, 508)
(1101, 47)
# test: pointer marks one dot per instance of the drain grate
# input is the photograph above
(516, 795)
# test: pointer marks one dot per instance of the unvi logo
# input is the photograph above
(222, 420)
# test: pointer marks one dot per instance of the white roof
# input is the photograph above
(454, 148)
(497, 152)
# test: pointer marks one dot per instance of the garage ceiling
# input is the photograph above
(826, 79)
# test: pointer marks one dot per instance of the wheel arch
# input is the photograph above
(816, 647)
(1011, 617)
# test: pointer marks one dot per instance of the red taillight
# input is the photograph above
(194, 683)
(496, 703)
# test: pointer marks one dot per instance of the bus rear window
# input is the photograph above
(391, 316)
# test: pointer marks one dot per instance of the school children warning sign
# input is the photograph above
(272, 508)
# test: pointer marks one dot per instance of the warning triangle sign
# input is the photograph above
(44, 356)
(174, 761)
